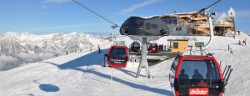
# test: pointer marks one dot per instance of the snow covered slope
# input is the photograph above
(82, 74)
(240, 61)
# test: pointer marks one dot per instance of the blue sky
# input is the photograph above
(50, 16)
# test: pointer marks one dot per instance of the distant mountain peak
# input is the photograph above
(56, 43)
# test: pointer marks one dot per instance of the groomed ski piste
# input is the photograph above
(83, 74)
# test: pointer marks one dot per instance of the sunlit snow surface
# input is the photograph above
(82, 74)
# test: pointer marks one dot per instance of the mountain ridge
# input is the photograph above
(19, 45)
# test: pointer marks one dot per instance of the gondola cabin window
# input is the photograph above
(198, 73)
(118, 52)
(136, 45)
(174, 64)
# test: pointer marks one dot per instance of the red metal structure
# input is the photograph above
(118, 56)
(197, 76)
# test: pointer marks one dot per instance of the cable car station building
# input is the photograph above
(193, 23)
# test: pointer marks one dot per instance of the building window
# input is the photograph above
(178, 28)
(148, 26)
(175, 21)
(170, 20)
(155, 26)
(141, 25)
(166, 21)
(175, 45)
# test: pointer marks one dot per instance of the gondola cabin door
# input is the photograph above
(197, 76)
(118, 56)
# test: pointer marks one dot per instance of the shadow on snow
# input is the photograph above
(46, 87)
(49, 88)
(95, 58)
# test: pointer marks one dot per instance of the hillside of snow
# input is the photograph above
(82, 74)
(16, 49)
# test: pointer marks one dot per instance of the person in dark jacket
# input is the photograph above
(183, 74)
(245, 41)
(99, 49)
(183, 77)
(197, 75)
(231, 50)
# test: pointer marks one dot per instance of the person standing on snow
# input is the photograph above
(245, 41)
(99, 49)
(228, 47)
(231, 50)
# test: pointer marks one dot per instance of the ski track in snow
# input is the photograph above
(82, 74)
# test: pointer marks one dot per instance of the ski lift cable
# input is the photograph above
(114, 25)
(208, 8)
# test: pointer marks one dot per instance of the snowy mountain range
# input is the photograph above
(27, 47)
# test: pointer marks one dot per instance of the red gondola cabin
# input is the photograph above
(153, 47)
(118, 56)
(196, 76)
(135, 46)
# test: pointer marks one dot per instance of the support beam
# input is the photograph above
(143, 60)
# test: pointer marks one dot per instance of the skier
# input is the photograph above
(161, 47)
(99, 49)
(228, 47)
(231, 50)
(239, 42)
(245, 41)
